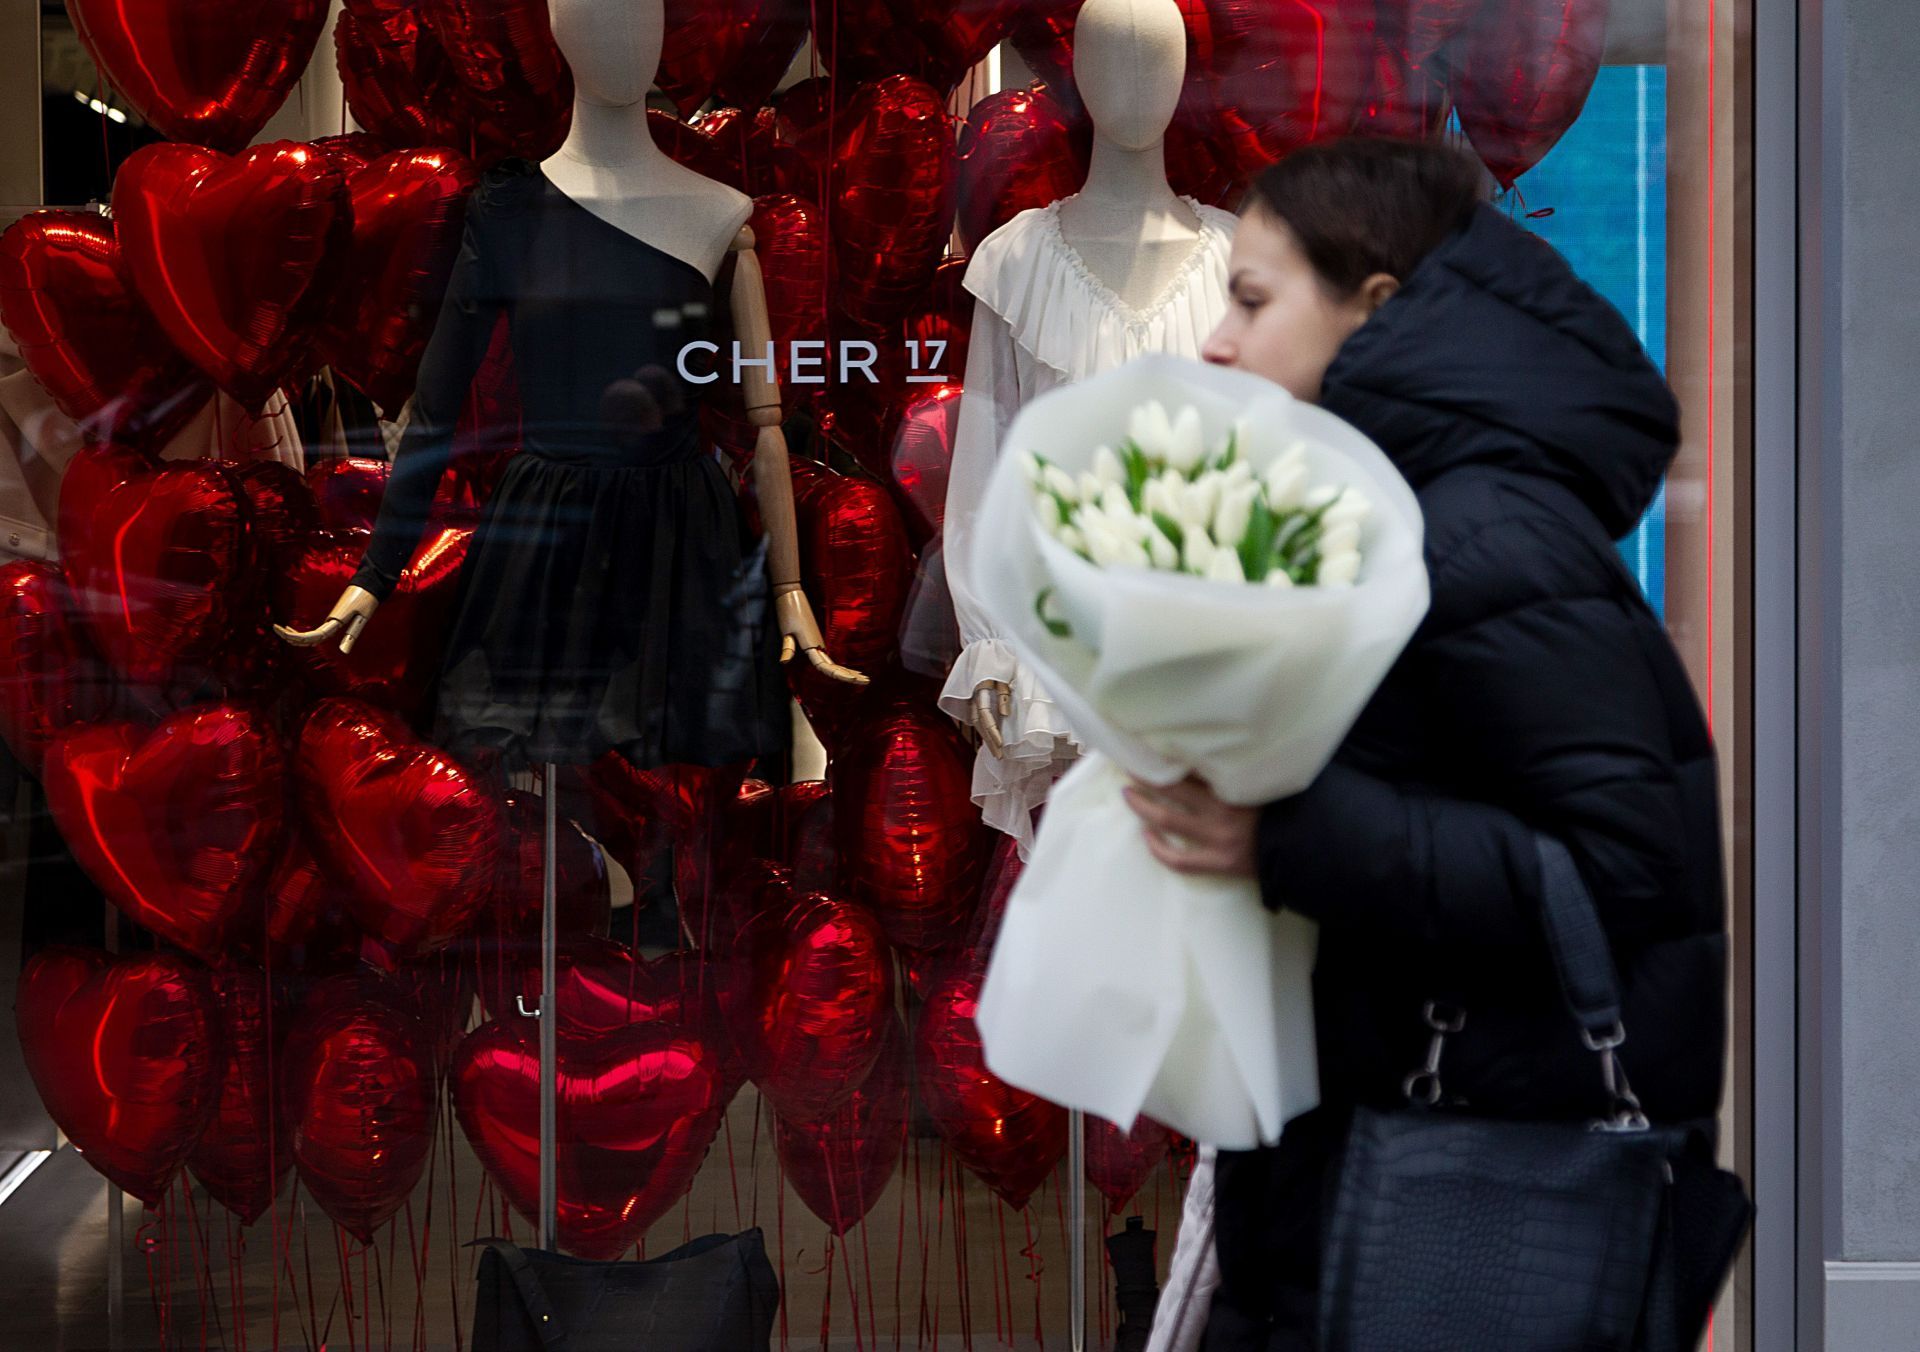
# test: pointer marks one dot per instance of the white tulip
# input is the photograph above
(1090, 486)
(1186, 443)
(1158, 497)
(1133, 554)
(1340, 538)
(1160, 549)
(1203, 494)
(1323, 495)
(1114, 502)
(1104, 546)
(1151, 429)
(1352, 505)
(1057, 480)
(1225, 567)
(1107, 467)
(1239, 472)
(1047, 508)
(1030, 466)
(1340, 570)
(1197, 550)
(1236, 511)
(1286, 480)
(1280, 579)
(1071, 537)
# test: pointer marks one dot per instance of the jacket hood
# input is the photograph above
(1494, 352)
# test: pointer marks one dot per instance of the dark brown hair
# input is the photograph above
(1364, 205)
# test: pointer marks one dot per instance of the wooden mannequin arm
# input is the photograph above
(772, 475)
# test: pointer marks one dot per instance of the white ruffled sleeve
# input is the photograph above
(1038, 745)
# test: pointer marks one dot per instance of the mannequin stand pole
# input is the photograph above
(1077, 1230)
(549, 1042)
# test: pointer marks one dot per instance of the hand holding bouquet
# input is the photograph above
(1214, 592)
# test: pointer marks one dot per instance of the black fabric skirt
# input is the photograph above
(610, 607)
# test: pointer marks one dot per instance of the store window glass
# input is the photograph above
(493, 724)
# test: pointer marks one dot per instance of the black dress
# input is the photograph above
(610, 599)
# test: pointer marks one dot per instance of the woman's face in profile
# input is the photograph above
(1283, 321)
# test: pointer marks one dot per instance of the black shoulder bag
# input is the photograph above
(717, 1294)
(1452, 1233)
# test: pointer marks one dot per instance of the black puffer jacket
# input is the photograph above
(1540, 694)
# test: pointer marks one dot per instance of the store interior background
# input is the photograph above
(1602, 196)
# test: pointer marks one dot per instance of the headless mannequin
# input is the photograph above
(1127, 224)
(610, 165)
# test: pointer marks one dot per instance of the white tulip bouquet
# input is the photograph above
(1216, 591)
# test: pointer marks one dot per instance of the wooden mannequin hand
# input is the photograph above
(992, 702)
(800, 631)
(351, 613)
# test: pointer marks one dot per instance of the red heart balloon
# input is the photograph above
(1119, 1162)
(408, 209)
(156, 558)
(1405, 103)
(411, 828)
(637, 1111)
(237, 258)
(580, 873)
(1420, 28)
(85, 335)
(400, 84)
(49, 676)
(302, 913)
(602, 987)
(398, 655)
(943, 324)
(627, 821)
(912, 846)
(1282, 73)
(207, 71)
(697, 42)
(747, 146)
(1018, 151)
(790, 240)
(841, 1164)
(856, 563)
(767, 35)
(688, 146)
(640, 812)
(1042, 33)
(1006, 1136)
(820, 1000)
(280, 515)
(347, 492)
(806, 808)
(936, 42)
(243, 1158)
(126, 1055)
(179, 825)
(923, 458)
(361, 1099)
(1521, 73)
(517, 83)
(893, 175)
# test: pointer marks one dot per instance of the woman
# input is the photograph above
(1541, 693)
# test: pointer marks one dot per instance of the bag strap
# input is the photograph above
(1578, 943)
(1588, 981)
(546, 1322)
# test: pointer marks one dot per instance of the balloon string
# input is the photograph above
(853, 1303)
(866, 1269)
(453, 1220)
(950, 1179)
(780, 1234)
(900, 1238)
(826, 1301)
(1006, 1273)
(203, 1268)
(1035, 1271)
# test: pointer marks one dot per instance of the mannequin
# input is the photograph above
(611, 166)
(1123, 267)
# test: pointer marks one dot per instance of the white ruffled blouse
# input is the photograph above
(1043, 319)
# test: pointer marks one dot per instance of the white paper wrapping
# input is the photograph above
(1116, 985)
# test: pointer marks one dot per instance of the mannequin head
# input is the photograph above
(613, 47)
(1129, 61)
